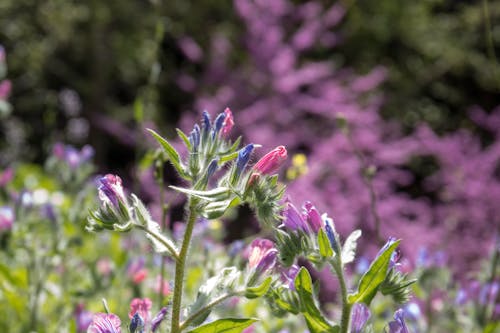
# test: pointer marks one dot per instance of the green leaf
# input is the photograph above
(217, 194)
(226, 325)
(215, 210)
(184, 138)
(376, 274)
(172, 154)
(349, 248)
(315, 320)
(325, 248)
(258, 291)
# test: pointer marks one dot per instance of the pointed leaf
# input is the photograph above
(226, 325)
(376, 274)
(217, 194)
(315, 320)
(258, 291)
(325, 248)
(172, 154)
(349, 248)
(184, 138)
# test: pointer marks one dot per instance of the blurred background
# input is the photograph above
(390, 111)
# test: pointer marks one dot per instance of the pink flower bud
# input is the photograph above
(228, 122)
(272, 161)
(262, 254)
(141, 306)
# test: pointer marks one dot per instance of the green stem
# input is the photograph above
(207, 307)
(180, 267)
(345, 321)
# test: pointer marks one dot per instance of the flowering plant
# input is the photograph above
(217, 179)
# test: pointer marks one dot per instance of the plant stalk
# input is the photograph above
(345, 321)
(180, 267)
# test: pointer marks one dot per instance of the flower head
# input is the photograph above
(262, 255)
(312, 217)
(228, 122)
(105, 323)
(155, 323)
(111, 190)
(83, 318)
(272, 161)
(293, 219)
(136, 324)
(360, 315)
(398, 325)
(142, 306)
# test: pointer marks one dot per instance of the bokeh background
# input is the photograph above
(389, 110)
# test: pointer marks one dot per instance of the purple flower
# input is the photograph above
(262, 255)
(72, 156)
(136, 324)
(6, 218)
(360, 315)
(105, 323)
(272, 161)
(398, 325)
(111, 190)
(5, 88)
(155, 323)
(6, 176)
(206, 123)
(83, 318)
(330, 233)
(293, 219)
(312, 217)
(288, 275)
(142, 306)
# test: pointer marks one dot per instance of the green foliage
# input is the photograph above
(226, 325)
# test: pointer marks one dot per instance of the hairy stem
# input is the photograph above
(180, 267)
(345, 321)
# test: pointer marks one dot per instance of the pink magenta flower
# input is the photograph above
(141, 306)
(5, 88)
(105, 323)
(262, 254)
(162, 286)
(272, 161)
(312, 217)
(228, 122)
(6, 176)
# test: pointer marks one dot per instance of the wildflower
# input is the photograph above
(105, 323)
(288, 276)
(272, 161)
(398, 325)
(6, 218)
(142, 307)
(292, 218)
(262, 255)
(72, 156)
(219, 122)
(6, 176)
(155, 323)
(136, 270)
(228, 122)
(162, 286)
(360, 315)
(5, 89)
(243, 157)
(111, 191)
(83, 318)
(312, 217)
(194, 138)
(331, 233)
(136, 324)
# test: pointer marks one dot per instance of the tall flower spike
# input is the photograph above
(105, 323)
(228, 122)
(272, 161)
